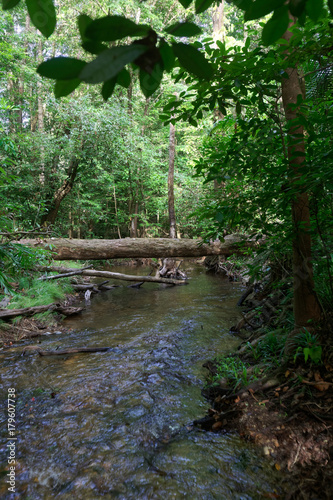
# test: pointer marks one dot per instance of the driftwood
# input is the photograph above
(119, 276)
(41, 352)
(94, 287)
(169, 269)
(136, 285)
(78, 249)
(6, 314)
(84, 288)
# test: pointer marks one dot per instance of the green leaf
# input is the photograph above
(43, 15)
(314, 9)
(83, 22)
(124, 78)
(65, 87)
(193, 60)
(150, 82)
(185, 3)
(183, 29)
(168, 57)
(94, 47)
(296, 7)
(9, 4)
(61, 68)
(241, 4)
(108, 88)
(260, 8)
(276, 26)
(330, 6)
(110, 62)
(306, 352)
(111, 28)
(202, 5)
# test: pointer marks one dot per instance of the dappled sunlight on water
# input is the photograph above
(119, 425)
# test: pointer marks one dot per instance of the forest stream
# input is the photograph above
(118, 424)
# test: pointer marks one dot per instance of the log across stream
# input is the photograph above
(118, 423)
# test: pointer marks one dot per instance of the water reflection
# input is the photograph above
(120, 423)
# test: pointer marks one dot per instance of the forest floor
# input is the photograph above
(293, 427)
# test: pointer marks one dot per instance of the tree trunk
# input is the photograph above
(22, 75)
(7, 314)
(10, 90)
(60, 194)
(66, 249)
(40, 112)
(306, 307)
(218, 22)
(116, 210)
(117, 276)
(171, 196)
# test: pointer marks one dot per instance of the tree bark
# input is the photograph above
(40, 112)
(6, 314)
(60, 194)
(117, 276)
(66, 249)
(218, 22)
(171, 195)
(306, 306)
(22, 75)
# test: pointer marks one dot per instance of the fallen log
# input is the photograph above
(6, 314)
(75, 272)
(84, 288)
(78, 249)
(41, 352)
(118, 276)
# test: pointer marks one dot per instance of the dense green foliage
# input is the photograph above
(90, 168)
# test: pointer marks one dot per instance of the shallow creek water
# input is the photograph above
(119, 422)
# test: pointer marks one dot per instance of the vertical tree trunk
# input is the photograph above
(116, 210)
(22, 75)
(70, 220)
(61, 193)
(306, 307)
(10, 90)
(40, 112)
(171, 196)
(218, 22)
(40, 115)
(134, 221)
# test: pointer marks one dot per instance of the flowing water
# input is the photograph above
(117, 424)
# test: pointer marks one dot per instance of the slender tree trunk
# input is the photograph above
(40, 113)
(218, 22)
(59, 195)
(134, 220)
(306, 307)
(171, 195)
(21, 79)
(70, 219)
(10, 90)
(116, 210)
